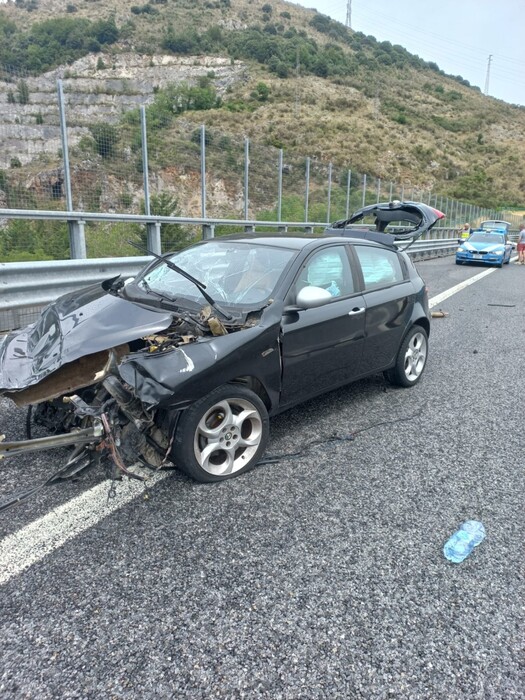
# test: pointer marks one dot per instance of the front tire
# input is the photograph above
(411, 358)
(221, 435)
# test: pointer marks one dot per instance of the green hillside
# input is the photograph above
(312, 87)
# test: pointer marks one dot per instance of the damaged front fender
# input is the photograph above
(179, 376)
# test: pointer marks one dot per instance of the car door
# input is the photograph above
(389, 297)
(321, 347)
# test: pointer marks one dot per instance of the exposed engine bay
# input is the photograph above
(85, 403)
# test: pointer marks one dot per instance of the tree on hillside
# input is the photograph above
(23, 92)
(106, 138)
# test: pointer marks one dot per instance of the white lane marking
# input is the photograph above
(33, 542)
(462, 285)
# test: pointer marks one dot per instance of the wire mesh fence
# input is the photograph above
(87, 139)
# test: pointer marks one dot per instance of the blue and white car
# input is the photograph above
(489, 245)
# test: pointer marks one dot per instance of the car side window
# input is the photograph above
(328, 268)
(380, 267)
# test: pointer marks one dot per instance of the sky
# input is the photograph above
(458, 35)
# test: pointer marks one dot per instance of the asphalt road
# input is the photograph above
(320, 576)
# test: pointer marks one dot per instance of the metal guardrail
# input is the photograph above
(28, 286)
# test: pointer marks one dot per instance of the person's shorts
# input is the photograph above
(521, 247)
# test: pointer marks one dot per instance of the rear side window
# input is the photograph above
(380, 267)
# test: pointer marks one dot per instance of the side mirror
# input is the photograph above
(310, 297)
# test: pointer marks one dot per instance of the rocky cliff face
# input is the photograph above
(97, 88)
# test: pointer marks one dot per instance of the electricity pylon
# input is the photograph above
(349, 14)
(488, 76)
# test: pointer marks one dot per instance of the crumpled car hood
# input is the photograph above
(77, 324)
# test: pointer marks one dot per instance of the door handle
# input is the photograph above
(356, 310)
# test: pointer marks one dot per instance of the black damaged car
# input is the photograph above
(185, 363)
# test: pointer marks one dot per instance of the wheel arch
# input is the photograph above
(424, 323)
(251, 382)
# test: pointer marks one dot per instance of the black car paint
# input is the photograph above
(174, 378)
(130, 359)
(324, 344)
(315, 362)
(318, 349)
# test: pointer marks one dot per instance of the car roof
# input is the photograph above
(494, 225)
(297, 242)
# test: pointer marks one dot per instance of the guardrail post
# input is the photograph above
(308, 229)
(153, 237)
(249, 228)
(77, 240)
(208, 231)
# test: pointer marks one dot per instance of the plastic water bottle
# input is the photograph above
(334, 289)
(462, 542)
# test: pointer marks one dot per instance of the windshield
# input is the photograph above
(234, 272)
(487, 238)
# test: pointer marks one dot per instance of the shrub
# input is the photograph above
(106, 138)
(23, 92)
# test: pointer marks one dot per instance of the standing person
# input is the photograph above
(521, 246)
(465, 231)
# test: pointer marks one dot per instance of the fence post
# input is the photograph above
(280, 187)
(378, 189)
(391, 191)
(329, 204)
(77, 237)
(145, 174)
(203, 178)
(307, 189)
(348, 181)
(246, 174)
(364, 191)
(65, 148)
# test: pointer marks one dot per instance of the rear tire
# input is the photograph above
(222, 435)
(411, 358)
